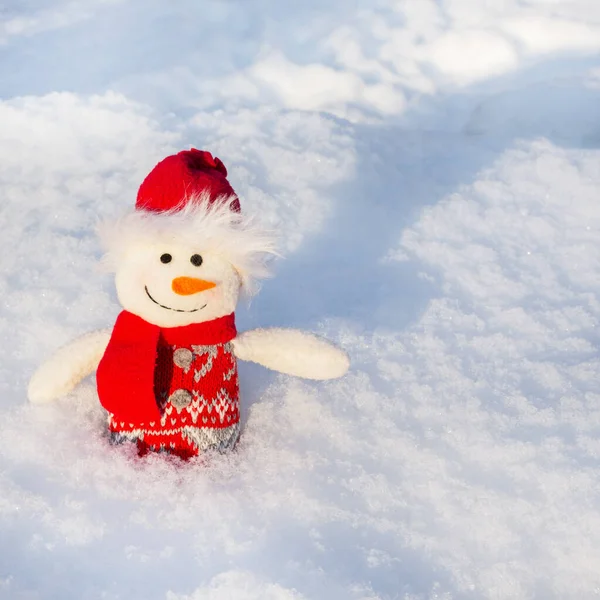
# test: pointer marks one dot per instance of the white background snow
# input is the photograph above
(434, 170)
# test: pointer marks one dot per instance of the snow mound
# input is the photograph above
(458, 457)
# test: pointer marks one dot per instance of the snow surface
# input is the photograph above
(434, 170)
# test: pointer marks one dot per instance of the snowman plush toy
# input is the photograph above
(167, 372)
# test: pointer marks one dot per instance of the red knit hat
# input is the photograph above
(177, 178)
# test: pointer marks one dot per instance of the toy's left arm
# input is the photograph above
(293, 352)
(69, 365)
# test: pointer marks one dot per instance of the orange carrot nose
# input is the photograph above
(186, 286)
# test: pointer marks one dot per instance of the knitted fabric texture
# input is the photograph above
(171, 389)
(177, 178)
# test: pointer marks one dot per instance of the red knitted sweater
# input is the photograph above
(173, 389)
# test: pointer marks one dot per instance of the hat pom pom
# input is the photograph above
(199, 160)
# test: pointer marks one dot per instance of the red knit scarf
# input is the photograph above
(125, 375)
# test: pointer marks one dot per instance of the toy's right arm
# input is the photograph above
(292, 351)
(71, 363)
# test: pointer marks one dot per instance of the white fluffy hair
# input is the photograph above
(201, 224)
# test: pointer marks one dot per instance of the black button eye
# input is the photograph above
(166, 258)
(196, 260)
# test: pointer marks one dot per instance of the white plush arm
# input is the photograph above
(71, 363)
(293, 352)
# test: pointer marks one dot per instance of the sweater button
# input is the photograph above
(183, 357)
(180, 398)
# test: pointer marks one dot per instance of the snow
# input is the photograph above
(433, 169)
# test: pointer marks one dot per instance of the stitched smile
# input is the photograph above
(168, 307)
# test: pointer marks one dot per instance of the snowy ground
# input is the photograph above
(434, 170)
